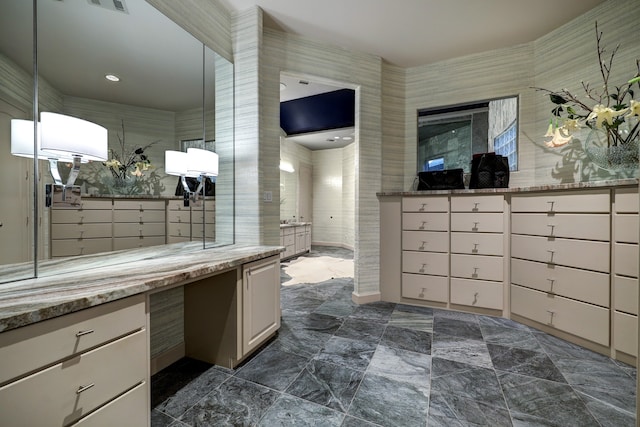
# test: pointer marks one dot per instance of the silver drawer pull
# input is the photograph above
(551, 283)
(81, 333)
(550, 323)
(421, 294)
(422, 268)
(475, 226)
(83, 388)
(475, 248)
(475, 206)
(475, 272)
(423, 245)
(475, 299)
(422, 207)
(552, 253)
(423, 225)
(551, 203)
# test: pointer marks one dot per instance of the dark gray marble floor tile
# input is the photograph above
(524, 362)
(548, 402)
(299, 304)
(353, 354)
(630, 370)
(364, 330)
(158, 419)
(428, 311)
(327, 384)
(376, 311)
(234, 403)
(609, 415)
(466, 381)
(466, 411)
(438, 421)
(191, 393)
(557, 347)
(501, 321)
(456, 328)
(300, 341)
(311, 322)
(388, 402)
(175, 377)
(415, 321)
(401, 365)
(273, 368)
(457, 315)
(510, 337)
(350, 421)
(463, 350)
(407, 339)
(291, 411)
(343, 307)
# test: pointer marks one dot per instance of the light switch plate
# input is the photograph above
(267, 196)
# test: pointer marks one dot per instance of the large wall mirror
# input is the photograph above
(173, 93)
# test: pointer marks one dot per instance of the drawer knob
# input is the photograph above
(552, 254)
(82, 333)
(84, 388)
(423, 268)
(551, 313)
(475, 248)
(475, 226)
(475, 206)
(551, 203)
(552, 228)
(424, 223)
(551, 283)
(422, 207)
(422, 246)
(421, 294)
(475, 272)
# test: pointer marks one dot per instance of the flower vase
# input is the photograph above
(612, 154)
(123, 185)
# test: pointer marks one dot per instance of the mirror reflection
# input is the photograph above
(153, 86)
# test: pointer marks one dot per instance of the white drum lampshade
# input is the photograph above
(175, 163)
(67, 137)
(22, 139)
(202, 162)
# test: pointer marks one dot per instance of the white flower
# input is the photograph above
(560, 138)
(634, 108)
(571, 125)
(604, 114)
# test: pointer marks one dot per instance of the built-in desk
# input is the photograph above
(76, 341)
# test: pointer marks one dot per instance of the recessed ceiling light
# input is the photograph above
(347, 138)
(112, 77)
(336, 137)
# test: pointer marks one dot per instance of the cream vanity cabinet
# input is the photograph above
(560, 261)
(185, 223)
(138, 223)
(296, 239)
(425, 248)
(477, 250)
(625, 271)
(82, 230)
(87, 368)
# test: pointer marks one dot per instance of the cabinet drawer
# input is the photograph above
(287, 230)
(625, 259)
(579, 201)
(476, 293)
(73, 247)
(138, 216)
(432, 241)
(55, 390)
(626, 200)
(425, 221)
(69, 216)
(179, 230)
(177, 206)
(289, 239)
(626, 228)
(80, 231)
(583, 285)
(425, 263)
(430, 288)
(425, 204)
(208, 229)
(124, 229)
(477, 203)
(139, 205)
(21, 350)
(625, 333)
(477, 222)
(477, 267)
(625, 291)
(137, 242)
(578, 318)
(179, 216)
(585, 254)
(131, 406)
(89, 203)
(477, 243)
(577, 226)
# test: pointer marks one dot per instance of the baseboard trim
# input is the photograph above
(366, 298)
(333, 244)
(166, 358)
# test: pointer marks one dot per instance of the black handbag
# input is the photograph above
(489, 170)
(209, 187)
(449, 179)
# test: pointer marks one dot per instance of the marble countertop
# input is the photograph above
(76, 283)
(548, 187)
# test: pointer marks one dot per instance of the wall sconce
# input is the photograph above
(286, 167)
(195, 163)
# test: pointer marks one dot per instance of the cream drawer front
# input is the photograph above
(477, 267)
(429, 288)
(578, 318)
(80, 231)
(209, 231)
(124, 229)
(137, 242)
(131, 406)
(578, 226)
(626, 200)
(88, 203)
(477, 222)
(70, 216)
(477, 243)
(425, 221)
(475, 203)
(177, 205)
(626, 228)
(55, 390)
(625, 258)
(583, 285)
(139, 205)
(180, 230)
(289, 239)
(432, 241)
(625, 294)
(72, 247)
(476, 293)
(625, 332)
(425, 263)
(573, 253)
(425, 204)
(579, 201)
(179, 216)
(138, 216)
(287, 230)
(21, 350)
